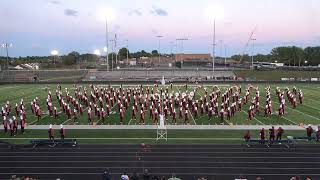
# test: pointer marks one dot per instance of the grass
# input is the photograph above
(144, 136)
(307, 113)
(276, 75)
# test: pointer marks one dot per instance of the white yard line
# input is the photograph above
(66, 121)
(39, 120)
(309, 106)
(303, 113)
(254, 118)
(290, 120)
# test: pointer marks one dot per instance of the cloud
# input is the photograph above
(70, 12)
(55, 2)
(135, 12)
(159, 11)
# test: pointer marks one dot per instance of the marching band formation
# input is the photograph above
(100, 102)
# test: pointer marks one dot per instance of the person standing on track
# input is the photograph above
(280, 132)
(262, 136)
(309, 132)
(51, 132)
(271, 134)
(247, 136)
(318, 134)
(62, 132)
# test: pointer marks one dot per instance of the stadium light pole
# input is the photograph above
(127, 50)
(225, 56)
(107, 15)
(213, 43)
(159, 37)
(7, 45)
(54, 53)
(252, 39)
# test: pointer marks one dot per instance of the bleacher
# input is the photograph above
(43, 75)
(156, 74)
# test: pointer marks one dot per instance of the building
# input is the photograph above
(192, 57)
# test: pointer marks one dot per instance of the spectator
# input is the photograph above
(106, 175)
(146, 175)
(163, 178)
(318, 133)
(134, 176)
(271, 134)
(279, 133)
(124, 176)
(247, 136)
(174, 177)
(155, 178)
(309, 132)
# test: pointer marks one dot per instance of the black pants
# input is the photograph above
(279, 137)
(62, 137)
(271, 138)
(22, 129)
(5, 129)
(51, 137)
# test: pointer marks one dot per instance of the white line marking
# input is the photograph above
(254, 118)
(309, 106)
(303, 113)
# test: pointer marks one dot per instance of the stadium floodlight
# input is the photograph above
(7, 45)
(105, 49)
(276, 61)
(306, 62)
(54, 52)
(97, 52)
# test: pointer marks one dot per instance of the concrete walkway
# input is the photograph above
(182, 127)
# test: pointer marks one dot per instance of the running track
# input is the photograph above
(186, 161)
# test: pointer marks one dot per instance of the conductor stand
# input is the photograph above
(162, 132)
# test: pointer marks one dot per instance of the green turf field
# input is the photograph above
(307, 113)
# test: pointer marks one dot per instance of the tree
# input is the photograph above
(123, 53)
(154, 53)
(71, 58)
(290, 55)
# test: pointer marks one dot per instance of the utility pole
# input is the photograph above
(159, 37)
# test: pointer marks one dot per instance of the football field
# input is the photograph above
(306, 113)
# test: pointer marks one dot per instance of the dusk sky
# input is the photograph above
(35, 27)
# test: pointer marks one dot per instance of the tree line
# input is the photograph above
(289, 55)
